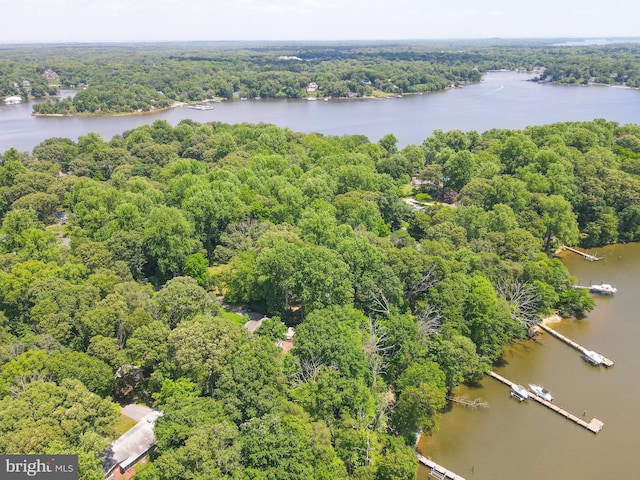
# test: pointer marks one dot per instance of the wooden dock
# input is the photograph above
(437, 471)
(605, 361)
(591, 258)
(594, 425)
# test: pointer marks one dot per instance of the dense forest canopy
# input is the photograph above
(114, 255)
(121, 78)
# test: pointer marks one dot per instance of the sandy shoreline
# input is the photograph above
(555, 318)
(122, 114)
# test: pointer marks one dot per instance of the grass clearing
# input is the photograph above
(123, 424)
(405, 190)
(234, 317)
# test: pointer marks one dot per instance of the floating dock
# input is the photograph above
(591, 258)
(594, 425)
(605, 361)
(437, 471)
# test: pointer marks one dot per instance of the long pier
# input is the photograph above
(437, 471)
(594, 425)
(605, 361)
(591, 258)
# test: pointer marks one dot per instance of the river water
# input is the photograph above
(526, 441)
(501, 100)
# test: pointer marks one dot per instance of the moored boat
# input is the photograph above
(200, 107)
(603, 289)
(519, 392)
(594, 358)
(541, 392)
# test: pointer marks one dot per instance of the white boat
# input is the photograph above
(200, 107)
(603, 289)
(519, 392)
(13, 100)
(593, 358)
(541, 392)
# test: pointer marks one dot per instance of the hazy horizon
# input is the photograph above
(159, 21)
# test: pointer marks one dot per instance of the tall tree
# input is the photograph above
(559, 221)
(168, 240)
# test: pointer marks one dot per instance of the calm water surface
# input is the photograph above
(525, 441)
(502, 100)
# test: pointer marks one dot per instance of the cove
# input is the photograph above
(501, 100)
(524, 440)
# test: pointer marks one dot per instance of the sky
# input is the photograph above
(51, 21)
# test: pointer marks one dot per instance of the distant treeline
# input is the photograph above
(143, 77)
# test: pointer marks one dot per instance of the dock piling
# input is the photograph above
(437, 471)
(593, 426)
(591, 258)
(605, 361)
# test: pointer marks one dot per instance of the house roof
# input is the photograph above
(132, 445)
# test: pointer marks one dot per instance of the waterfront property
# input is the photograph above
(519, 392)
(591, 356)
(594, 425)
(541, 392)
(437, 471)
(601, 289)
(591, 258)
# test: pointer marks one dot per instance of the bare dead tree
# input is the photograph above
(14, 349)
(522, 299)
(428, 280)
(366, 449)
(244, 226)
(384, 408)
(464, 401)
(429, 322)
(309, 368)
(20, 384)
(381, 304)
(376, 349)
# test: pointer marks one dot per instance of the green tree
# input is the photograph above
(252, 385)
(559, 221)
(389, 143)
(490, 323)
(181, 298)
(272, 329)
(168, 240)
(147, 347)
(459, 361)
(44, 204)
(96, 375)
(197, 267)
(201, 348)
(333, 337)
(276, 447)
(43, 415)
(276, 268)
(397, 462)
(458, 169)
(15, 223)
(322, 279)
